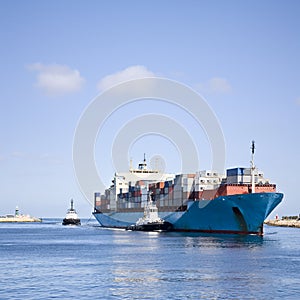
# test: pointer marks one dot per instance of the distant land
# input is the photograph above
(18, 218)
(286, 221)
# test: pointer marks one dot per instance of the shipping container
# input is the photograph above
(238, 171)
(239, 179)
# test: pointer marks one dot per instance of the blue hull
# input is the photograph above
(243, 214)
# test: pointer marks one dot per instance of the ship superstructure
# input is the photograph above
(130, 188)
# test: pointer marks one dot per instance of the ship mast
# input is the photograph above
(252, 168)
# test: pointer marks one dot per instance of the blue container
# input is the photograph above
(235, 171)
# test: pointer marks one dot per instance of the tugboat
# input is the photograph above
(71, 217)
(150, 221)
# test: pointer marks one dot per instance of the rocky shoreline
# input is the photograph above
(18, 219)
(283, 223)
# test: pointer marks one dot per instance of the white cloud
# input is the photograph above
(18, 154)
(215, 85)
(133, 72)
(57, 79)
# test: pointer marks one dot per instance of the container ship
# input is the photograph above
(206, 201)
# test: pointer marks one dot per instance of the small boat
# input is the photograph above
(150, 221)
(71, 216)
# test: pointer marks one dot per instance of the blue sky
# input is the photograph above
(56, 56)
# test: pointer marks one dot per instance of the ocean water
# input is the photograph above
(51, 261)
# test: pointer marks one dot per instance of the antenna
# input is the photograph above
(252, 168)
(253, 147)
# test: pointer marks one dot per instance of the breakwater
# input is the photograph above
(18, 219)
(292, 221)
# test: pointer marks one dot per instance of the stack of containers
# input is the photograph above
(178, 190)
(97, 203)
(239, 176)
(102, 202)
(144, 196)
(183, 187)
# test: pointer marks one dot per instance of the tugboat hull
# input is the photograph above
(165, 226)
(71, 222)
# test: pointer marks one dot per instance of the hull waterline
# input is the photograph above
(240, 214)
